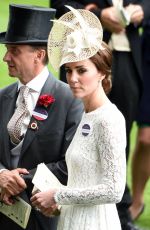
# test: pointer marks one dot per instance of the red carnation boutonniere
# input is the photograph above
(45, 100)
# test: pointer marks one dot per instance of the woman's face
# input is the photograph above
(83, 77)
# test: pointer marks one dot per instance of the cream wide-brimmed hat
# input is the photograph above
(75, 36)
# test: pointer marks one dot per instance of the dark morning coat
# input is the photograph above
(48, 144)
(144, 108)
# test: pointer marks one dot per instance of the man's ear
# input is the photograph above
(40, 55)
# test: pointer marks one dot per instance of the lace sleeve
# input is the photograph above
(111, 143)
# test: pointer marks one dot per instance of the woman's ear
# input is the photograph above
(101, 76)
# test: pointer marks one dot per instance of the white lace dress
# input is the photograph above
(97, 172)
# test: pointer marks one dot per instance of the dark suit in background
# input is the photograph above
(126, 73)
(141, 153)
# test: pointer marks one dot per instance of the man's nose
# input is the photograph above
(7, 57)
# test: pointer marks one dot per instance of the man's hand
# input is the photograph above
(110, 21)
(11, 184)
(136, 13)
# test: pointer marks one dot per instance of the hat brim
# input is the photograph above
(61, 51)
(35, 41)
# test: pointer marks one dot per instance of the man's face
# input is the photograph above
(20, 60)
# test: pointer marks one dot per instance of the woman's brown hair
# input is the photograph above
(103, 62)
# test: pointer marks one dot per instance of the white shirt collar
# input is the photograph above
(37, 83)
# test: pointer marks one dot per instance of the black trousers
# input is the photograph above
(125, 94)
(126, 89)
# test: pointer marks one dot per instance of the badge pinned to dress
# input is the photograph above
(86, 129)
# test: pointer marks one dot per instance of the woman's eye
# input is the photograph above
(68, 70)
(80, 71)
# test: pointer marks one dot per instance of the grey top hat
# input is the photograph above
(28, 25)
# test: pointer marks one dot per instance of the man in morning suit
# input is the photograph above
(123, 37)
(51, 114)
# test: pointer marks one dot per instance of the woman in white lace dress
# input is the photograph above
(96, 157)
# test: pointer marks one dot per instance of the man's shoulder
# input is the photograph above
(60, 87)
(8, 88)
(63, 94)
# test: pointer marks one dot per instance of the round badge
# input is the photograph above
(34, 125)
(86, 129)
(40, 114)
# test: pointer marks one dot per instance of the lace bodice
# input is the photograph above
(96, 159)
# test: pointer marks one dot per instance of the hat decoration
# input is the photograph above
(75, 36)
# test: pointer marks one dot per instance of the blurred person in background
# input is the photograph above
(141, 156)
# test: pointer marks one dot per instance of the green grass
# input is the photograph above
(144, 220)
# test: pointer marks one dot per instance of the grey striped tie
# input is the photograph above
(15, 124)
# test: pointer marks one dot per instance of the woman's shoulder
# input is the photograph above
(110, 114)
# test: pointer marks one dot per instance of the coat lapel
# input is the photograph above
(9, 101)
(48, 88)
(8, 106)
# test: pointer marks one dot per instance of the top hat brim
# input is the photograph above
(35, 41)
(28, 25)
